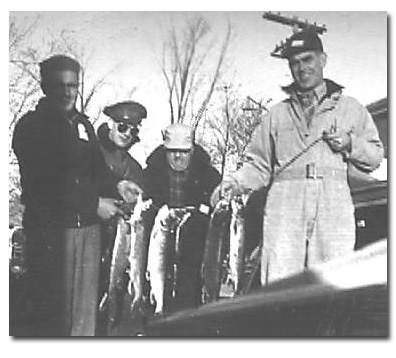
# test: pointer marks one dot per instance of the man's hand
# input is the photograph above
(227, 189)
(108, 208)
(339, 141)
(129, 191)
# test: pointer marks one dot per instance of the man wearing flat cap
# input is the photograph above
(116, 137)
(61, 169)
(179, 175)
(301, 151)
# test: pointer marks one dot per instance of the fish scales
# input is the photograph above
(119, 265)
(163, 252)
(137, 253)
(158, 257)
(237, 245)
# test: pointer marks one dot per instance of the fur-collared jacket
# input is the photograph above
(202, 177)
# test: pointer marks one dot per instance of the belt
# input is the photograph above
(312, 171)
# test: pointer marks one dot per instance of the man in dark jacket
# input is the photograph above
(116, 137)
(61, 169)
(179, 175)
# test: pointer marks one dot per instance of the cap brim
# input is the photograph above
(178, 147)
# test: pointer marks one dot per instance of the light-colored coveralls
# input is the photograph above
(307, 220)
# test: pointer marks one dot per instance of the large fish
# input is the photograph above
(215, 241)
(137, 253)
(119, 265)
(128, 257)
(163, 248)
(237, 245)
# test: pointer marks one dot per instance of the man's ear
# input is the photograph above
(323, 59)
(110, 123)
(44, 87)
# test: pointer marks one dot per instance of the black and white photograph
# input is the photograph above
(198, 174)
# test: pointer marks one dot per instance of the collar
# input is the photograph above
(326, 89)
(319, 91)
(103, 135)
(45, 107)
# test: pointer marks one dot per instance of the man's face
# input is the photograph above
(120, 133)
(62, 90)
(307, 69)
(179, 160)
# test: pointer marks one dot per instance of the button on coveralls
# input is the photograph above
(307, 220)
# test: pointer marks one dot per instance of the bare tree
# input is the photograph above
(182, 66)
(23, 75)
(231, 128)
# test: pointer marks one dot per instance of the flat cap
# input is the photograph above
(178, 136)
(128, 112)
(305, 40)
(58, 63)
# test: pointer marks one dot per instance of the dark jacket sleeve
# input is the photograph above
(211, 179)
(41, 164)
(154, 177)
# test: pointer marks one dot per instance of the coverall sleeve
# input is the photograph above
(367, 150)
(256, 170)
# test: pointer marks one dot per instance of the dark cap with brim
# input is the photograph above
(303, 41)
(127, 112)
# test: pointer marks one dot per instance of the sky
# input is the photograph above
(128, 44)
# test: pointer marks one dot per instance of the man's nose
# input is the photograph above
(303, 66)
(66, 89)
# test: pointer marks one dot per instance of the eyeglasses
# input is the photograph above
(123, 127)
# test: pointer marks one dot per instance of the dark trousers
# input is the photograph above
(45, 292)
(62, 279)
(189, 261)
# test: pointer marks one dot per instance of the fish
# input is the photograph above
(163, 249)
(137, 254)
(17, 251)
(237, 245)
(158, 258)
(118, 267)
(128, 263)
(215, 241)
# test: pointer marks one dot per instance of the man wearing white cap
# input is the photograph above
(179, 174)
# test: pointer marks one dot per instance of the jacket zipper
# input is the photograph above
(78, 214)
